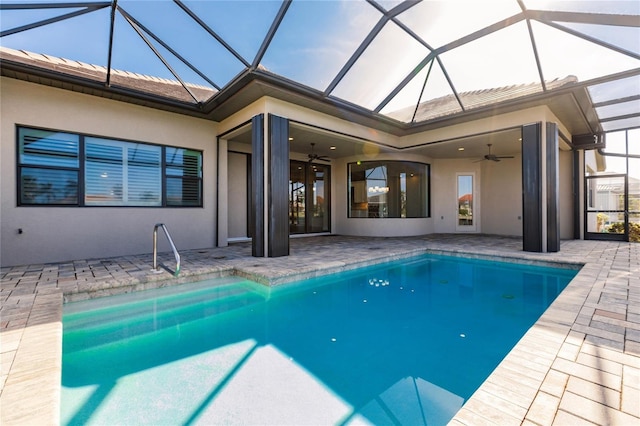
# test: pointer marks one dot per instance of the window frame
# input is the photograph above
(81, 170)
(20, 166)
(385, 163)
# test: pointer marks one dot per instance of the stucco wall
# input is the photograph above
(54, 234)
(444, 206)
(565, 187)
(237, 199)
(502, 197)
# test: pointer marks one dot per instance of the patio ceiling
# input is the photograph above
(406, 65)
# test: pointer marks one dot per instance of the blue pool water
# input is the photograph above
(405, 342)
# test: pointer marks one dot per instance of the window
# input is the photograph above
(49, 167)
(184, 177)
(66, 169)
(122, 174)
(388, 189)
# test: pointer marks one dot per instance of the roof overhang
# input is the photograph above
(572, 104)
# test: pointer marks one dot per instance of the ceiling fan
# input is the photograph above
(493, 157)
(313, 156)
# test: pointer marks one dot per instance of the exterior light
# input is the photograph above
(461, 149)
(332, 148)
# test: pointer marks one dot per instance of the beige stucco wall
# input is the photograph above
(502, 197)
(53, 234)
(444, 206)
(565, 187)
(237, 198)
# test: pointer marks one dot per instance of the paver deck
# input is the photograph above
(579, 364)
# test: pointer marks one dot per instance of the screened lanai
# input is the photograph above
(379, 58)
(251, 96)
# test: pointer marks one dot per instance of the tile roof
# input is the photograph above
(171, 89)
(447, 105)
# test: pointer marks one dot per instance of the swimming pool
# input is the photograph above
(405, 342)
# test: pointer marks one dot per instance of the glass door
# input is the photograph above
(318, 198)
(607, 210)
(309, 198)
(612, 188)
(297, 197)
(467, 212)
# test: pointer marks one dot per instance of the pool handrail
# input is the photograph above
(155, 248)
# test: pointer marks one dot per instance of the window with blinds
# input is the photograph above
(184, 177)
(48, 167)
(122, 174)
(66, 169)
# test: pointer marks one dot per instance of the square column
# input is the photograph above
(257, 187)
(278, 178)
(269, 182)
(540, 188)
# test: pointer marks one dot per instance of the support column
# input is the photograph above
(223, 194)
(578, 176)
(278, 177)
(553, 188)
(257, 186)
(532, 187)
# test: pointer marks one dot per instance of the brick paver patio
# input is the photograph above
(579, 364)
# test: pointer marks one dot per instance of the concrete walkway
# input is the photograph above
(579, 364)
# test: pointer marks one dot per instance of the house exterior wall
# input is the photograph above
(444, 206)
(57, 234)
(566, 194)
(238, 195)
(54, 234)
(502, 197)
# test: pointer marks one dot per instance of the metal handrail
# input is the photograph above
(155, 248)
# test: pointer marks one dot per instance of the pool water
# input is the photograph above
(405, 342)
